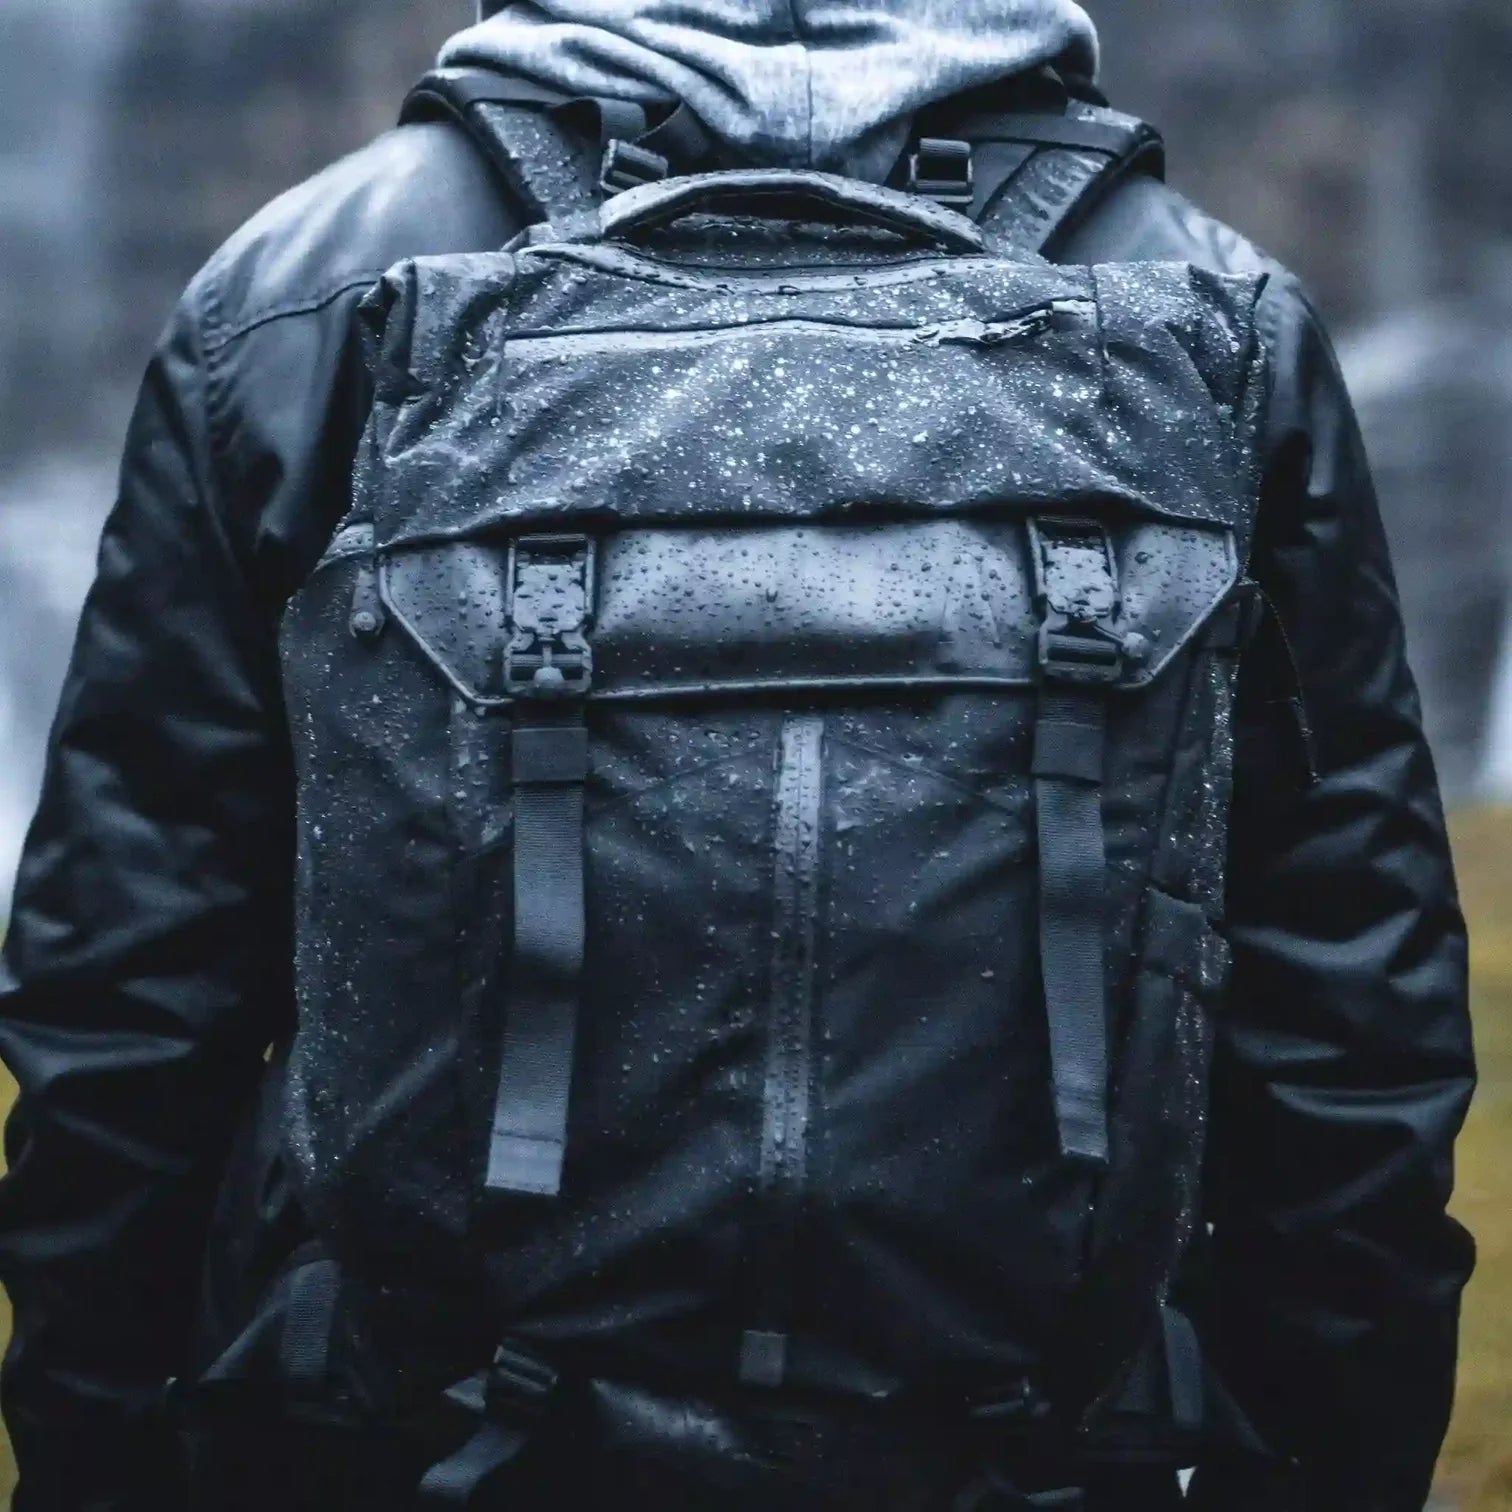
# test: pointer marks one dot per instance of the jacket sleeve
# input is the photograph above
(147, 965)
(1344, 1063)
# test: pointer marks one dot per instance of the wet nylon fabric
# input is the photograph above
(147, 957)
(899, 1275)
(801, 83)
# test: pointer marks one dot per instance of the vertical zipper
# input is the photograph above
(788, 1081)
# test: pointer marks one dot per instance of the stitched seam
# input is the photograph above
(217, 454)
(211, 327)
(224, 335)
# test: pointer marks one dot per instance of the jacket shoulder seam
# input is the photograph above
(208, 311)
(219, 335)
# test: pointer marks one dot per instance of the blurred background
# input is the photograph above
(1365, 142)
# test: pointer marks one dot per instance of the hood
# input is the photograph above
(829, 84)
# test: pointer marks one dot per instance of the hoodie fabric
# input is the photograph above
(827, 84)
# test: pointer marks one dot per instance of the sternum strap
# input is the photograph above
(529, 1136)
(1070, 739)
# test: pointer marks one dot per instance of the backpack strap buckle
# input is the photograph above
(1088, 655)
(522, 1379)
(942, 170)
(1076, 584)
(627, 165)
(1077, 587)
(551, 582)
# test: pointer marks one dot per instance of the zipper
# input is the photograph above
(989, 333)
(787, 1088)
(1027, 326)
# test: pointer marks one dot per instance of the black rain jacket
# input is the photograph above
(148, 966)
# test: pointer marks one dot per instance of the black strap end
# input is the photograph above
(448, 93)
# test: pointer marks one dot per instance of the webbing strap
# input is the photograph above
(1183, 1355)
(1091, 129)
(456, 1480)
(549, 147)
(1041, 175)
(1032, 207)
(524, 130)
(994, 164)
(682, 139)
(1070, 739)
(1080, 656)
(304, 1346)
(529, 1137)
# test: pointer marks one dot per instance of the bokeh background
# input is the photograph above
(1365, 142)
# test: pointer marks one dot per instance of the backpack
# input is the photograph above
(763, 750)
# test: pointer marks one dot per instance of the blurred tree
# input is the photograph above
(1362, 141)
(220, 106)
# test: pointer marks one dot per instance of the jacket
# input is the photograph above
(147, 975)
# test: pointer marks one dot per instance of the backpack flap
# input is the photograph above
(918, 605)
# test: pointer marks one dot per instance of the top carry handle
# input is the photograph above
(785, 190)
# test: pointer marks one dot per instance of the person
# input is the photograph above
(148, 998)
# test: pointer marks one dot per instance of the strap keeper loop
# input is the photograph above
(628, 166)
(942, 170)
(522, 1377)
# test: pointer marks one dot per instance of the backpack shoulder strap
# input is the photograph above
(559, 153)
(531, 136)
(1036, 176)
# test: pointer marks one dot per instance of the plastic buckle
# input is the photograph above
(942, 170)
(626, 166)
(520, 1377)
(1076, 590)
(551, 590)
(1083, 654)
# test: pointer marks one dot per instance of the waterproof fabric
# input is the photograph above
(796, 83)
(812, 903)
(149, 958)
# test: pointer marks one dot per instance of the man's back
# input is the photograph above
(152, 915)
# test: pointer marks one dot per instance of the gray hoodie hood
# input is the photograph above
(798, 83)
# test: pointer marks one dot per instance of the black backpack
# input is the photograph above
(763, 756)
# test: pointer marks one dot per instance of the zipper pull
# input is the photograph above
(368, 616)
(991, 333)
